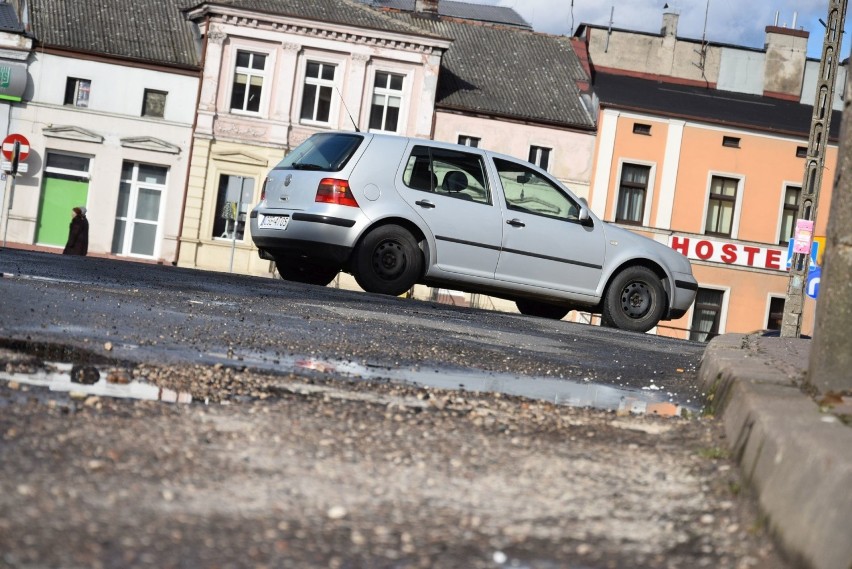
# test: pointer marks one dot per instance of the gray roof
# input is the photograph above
(477, 12)
(9, 20)
(151, 30)
(508, 72)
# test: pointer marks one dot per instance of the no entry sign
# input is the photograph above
(9, 146)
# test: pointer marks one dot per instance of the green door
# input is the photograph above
(54, 211)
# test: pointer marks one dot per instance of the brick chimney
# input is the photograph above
(784, 70)
(427, 8)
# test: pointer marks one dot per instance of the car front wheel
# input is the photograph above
(388, 261)
(635, 300)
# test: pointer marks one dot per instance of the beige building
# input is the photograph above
(271, 80)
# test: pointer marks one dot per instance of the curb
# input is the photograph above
(796, 459)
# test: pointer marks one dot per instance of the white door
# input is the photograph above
(137, 216)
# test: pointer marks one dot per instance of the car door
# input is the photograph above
(449, 190)
(544, 243)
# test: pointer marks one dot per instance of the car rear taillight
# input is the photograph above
(335, 191)
(263, 189)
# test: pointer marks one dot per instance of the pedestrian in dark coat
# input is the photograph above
(78, 233)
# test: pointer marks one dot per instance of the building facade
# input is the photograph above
(702, 147)
(109, 128)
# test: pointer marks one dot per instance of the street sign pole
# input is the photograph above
(7, 211)
(791, 325)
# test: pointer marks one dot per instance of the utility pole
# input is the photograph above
(791, 325)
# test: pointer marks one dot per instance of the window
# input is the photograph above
(77, 92)
(641, 128)
(248, 81)
(459, 175)
(776, 313)
(528, 191)
(316, 99)
(790, 213)
(631, 194)
(465, 140)
(720, 209)
(137, 215)
(731, 141)
(236, 194)
(540, 156)
(801, 152)
(706, 314)
(387, 99)
(154, 103)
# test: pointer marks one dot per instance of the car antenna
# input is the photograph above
(347, 109)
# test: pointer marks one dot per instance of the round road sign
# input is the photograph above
(9, 146)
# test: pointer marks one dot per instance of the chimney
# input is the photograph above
(428, 8)
(786, 55)
(669, 28)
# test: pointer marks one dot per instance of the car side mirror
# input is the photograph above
(585, 217)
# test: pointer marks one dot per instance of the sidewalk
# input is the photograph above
(796, 456)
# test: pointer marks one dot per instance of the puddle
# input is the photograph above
(89, 380)
(559, 391)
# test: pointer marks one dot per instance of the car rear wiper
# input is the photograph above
(307, 166)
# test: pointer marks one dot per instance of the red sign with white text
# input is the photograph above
(730, 253)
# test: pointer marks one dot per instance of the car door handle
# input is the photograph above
(424, 203)
(515, 222)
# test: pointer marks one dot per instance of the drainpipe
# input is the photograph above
(192, 138)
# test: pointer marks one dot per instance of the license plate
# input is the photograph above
(275, 221)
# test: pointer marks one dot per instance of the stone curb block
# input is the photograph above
(799, 465)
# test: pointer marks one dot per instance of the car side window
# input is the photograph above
(458, 175)
(528, 191)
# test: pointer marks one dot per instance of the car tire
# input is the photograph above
(296, 270)
(388, 261)
(541, 309)
(635, 300)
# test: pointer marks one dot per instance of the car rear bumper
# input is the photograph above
(322, 237)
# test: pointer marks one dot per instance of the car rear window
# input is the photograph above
(325, 152)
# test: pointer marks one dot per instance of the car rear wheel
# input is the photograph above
(541, 309)
(635, 300)
(388, 261)
(298, 270)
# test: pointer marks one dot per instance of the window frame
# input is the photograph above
(333, 84)
(75, 93)
(719, 321)
(446, 156)
(387, 92)
(145, 94)
(633, 185)
(465, 140)
(789, 210)
(736, 199)
(264, 74)
(221, 200)
(536, 153)
(767, 320)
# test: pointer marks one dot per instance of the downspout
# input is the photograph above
(192, 138)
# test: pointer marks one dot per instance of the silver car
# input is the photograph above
(396, 211)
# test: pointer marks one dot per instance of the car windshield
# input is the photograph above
(327, 152)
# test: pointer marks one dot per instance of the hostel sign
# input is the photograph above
(730, 253)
